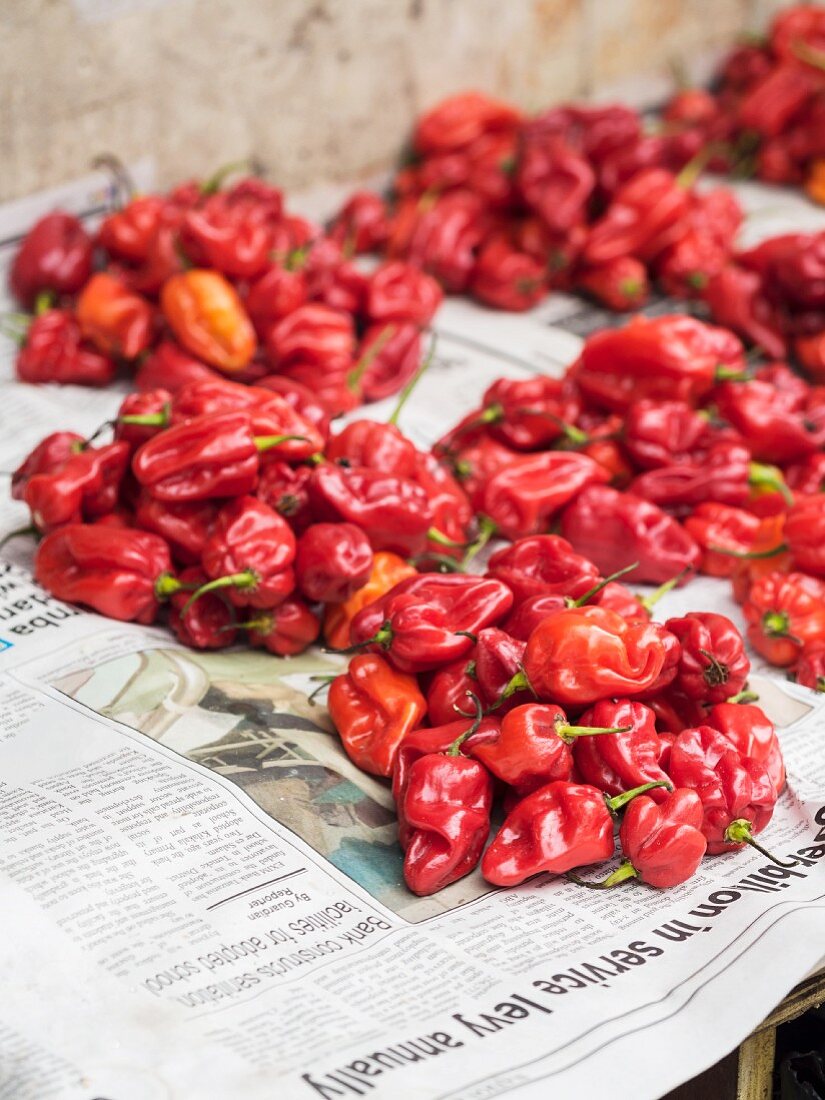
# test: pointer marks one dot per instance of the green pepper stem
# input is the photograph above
(383, 637)
(649, 602)
(621, 800)
(436, 536)
(167, 585)
(19, 533)
(776, 624)
(246, 579)
(751, 555)
(743, 697)
(369, 356)
(44, 302)
(149, 420)
(727, 374)
(519, 682)
(603, 583)
(695, 167)
(413, 382)
(486, 529)
(740, 831)
(455, 748)
(266, 442)
(214, 182)
(444, 563)
(325, 681)
(762, 476)
(570, 733)
(806, 53)
(623, 873)
(575, 435)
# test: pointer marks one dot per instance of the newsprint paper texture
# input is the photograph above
(202, 897)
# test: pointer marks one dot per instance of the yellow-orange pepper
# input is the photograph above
(387, 570)
(815, 183)
(207, 316)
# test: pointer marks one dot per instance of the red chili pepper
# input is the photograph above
(426, 621)
(526, 414)
(374, 706)
(807, 477)
(54, 351)
(115, 319)
(506, 278)
(751, 733)
(770, 106)
(646, 214)
(805, 534)
(728, 535)
(210, 456)
(333, 280)
(128, 234)
(737, 299)
(392, 511)
(628, 757)
(663, 433)
(452, 512)
(284, 489)
(534, 746)
(441, 236)
(458, 121)
(119, 572)
(333, 560)
(497, 656)
(48, 457)
(85, 486)
(207, 624)
(375, 445)
(312, 333)
(142, 415)
(579, 655)
(662, 844)
(448, 689)
(447, 802)
(400, 293)
(276, 294)
(671, 357)
(249, 552)
(184, 525)
(554, 829)
(809, 669)
(230, 233)
(554, 179)
(285, 630)
(301, 398)
(361, 225)
(785, 612)
(736, 792)
(328, 381)
(810, 352)
(543, 565)
(169, 367)
(522, 498)
(772, 424)
(388, 357)
(55, 257)
(387, 570)
(713, 664)
(616, 530)
(621, 284)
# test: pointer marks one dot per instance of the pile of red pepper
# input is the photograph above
(210, 281)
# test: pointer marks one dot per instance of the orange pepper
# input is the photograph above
(387, 570)
(113, 317)
(208, 318)
(815, 183)
(374, 707)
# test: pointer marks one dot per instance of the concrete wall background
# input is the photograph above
(317, 89)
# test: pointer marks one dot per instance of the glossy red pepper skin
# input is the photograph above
(393, 512)
(113, 318)
(47, 457)
(200, 459)
(361, 225)
(731, 786)
(555, 180)
(671, 357)
(619, 761)
(614, 530)
(497, 658)
(249, 539)
(664, 842)
(152, 405)
(284, 489)
(459, 120)
(784, 612)
(274, 295)
(662, 433)
(285, 630)
(269, 414)
(442, 238)
(621, 284)
(447, 805)
(526, 616)
(84, 487)
(209, 623)
(805, 534)
(332, 561)
(392, 352)
(128, 234)
(646, 214)
(522, 498)
(373, 444)
(448, 689)
(170, 367)
(581, 655)
(312, 333)
(230, 234)
(721, 474)
(374, 707)
(751, 733)
(713, 664)
(184, 525)
(54, 351)
(450, 507)
(505, 278)
(737, 298)
(771, 422)
(424, 620)
(809, 669)
(116, 571)
(301, 398)
(543, 565)
(399, 292)
(526, 414)
(554, 829)
(55, 257)
(719, 527)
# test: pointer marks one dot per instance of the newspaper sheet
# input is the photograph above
(201, 897)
